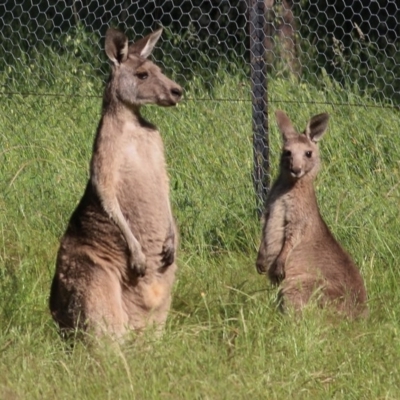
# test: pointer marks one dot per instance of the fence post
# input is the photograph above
(259, 83)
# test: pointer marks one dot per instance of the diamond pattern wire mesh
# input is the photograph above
(355, 43)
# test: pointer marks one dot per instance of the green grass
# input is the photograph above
(224, 338)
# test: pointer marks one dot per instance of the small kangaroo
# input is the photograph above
(116, 262)
(297, 248)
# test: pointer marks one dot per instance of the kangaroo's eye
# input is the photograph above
(142, 75)
(287, 153)
(308, 154)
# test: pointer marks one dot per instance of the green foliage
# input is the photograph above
(72, 66)
(224, 338)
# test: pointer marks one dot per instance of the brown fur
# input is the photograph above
(297, 248)
(116, 263)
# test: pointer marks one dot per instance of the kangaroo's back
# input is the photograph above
(297, 249)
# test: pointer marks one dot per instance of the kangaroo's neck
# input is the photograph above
(300, 190)
(122, 114)
(119, 123)
(304, 192)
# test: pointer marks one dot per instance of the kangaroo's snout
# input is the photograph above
(177, 92)
(296, 172)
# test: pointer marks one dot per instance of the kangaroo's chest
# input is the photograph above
(142, 169)
(143, 184)
(142, 155)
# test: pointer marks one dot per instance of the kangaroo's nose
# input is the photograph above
(176, 92)
(296, 171)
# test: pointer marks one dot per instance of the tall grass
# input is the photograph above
(224, 338)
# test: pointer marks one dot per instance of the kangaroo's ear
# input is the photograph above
(116, 46)
(143, 47)
(285, 125)
(317, 126)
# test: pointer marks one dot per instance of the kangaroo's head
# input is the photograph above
(300, 154)
(134, 79)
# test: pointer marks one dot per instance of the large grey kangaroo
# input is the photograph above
(297, 248)
(116, 262)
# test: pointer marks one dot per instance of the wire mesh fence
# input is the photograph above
(54, 49)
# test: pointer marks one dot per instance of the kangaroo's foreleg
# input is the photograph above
(105, 188)
(293, 235)
(261, 262)
(169, 246)
(276, 271)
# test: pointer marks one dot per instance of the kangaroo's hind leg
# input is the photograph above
(297, 291)
(104, 309)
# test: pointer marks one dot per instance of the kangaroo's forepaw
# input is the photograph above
(276, 273)
(167, 254)
(261, 264)
(168, 249)
(137, 263)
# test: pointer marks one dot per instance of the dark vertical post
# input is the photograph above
(259, 100)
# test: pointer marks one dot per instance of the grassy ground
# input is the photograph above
(224, 339)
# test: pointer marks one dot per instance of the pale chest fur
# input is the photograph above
(141, 160)
(142, 179)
